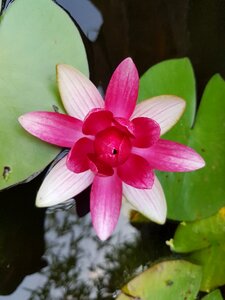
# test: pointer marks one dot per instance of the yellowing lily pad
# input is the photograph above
(166, 280)
(204, 240)
(124, 297)
(192, 236)
(198, 194)
(34, 37)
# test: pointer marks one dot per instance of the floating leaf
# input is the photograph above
(215, 295)
(34, 37)
(200, 199)
(213, 266)
(199, 234)
(166, 280)
(190, 196)
(205, 239)
(172, 77)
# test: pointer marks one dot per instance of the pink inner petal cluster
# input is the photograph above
(114, 144)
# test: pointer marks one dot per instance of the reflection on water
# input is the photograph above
(78, 265)
(77, 260)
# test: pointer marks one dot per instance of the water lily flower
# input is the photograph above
(115, 145)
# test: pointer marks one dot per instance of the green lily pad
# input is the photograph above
(212, 261)
(192, 236)
(34, 37)
(190, 196)
(166, 280)
(215, 295)
(172, 77)
(204, 189)
(204, 240)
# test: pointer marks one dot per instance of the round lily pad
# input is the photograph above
(34, 37)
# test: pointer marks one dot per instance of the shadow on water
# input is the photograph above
(21, 235)
(61, 249)
(151, 31)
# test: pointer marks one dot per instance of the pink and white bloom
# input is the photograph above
(114, 145)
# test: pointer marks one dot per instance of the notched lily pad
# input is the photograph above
(166, 280)
(34, 37)
(190, 196)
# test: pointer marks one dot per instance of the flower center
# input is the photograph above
(112, 146)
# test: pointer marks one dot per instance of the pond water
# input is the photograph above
(54, 254)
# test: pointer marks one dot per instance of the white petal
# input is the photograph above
(166, 110)
(149, 202)
(61, 184)
(78, 93)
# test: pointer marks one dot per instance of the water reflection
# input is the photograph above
(75, 264)
(78, 263)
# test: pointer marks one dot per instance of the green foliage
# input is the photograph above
(204, 240)
(215, 295)
(34, 37)
(198, 194)
(213, 266)
(166, 280)
(200, 234)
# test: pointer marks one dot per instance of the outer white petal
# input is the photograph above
(78, 93)
(149, 202)
(61, 184)
(166, 110)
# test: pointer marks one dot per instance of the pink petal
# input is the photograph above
(61, 184)
(122, 91)
(97, 120)
(150, 202)
(77, 159)
(112, 146)
(170, 156)
(99, 167)
(165, 110)
(124, 125)
(146, 132)
(106, 197)
(136, 172)
(52, 127)
(78, 93)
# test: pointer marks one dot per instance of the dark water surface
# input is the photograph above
(53, 254)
